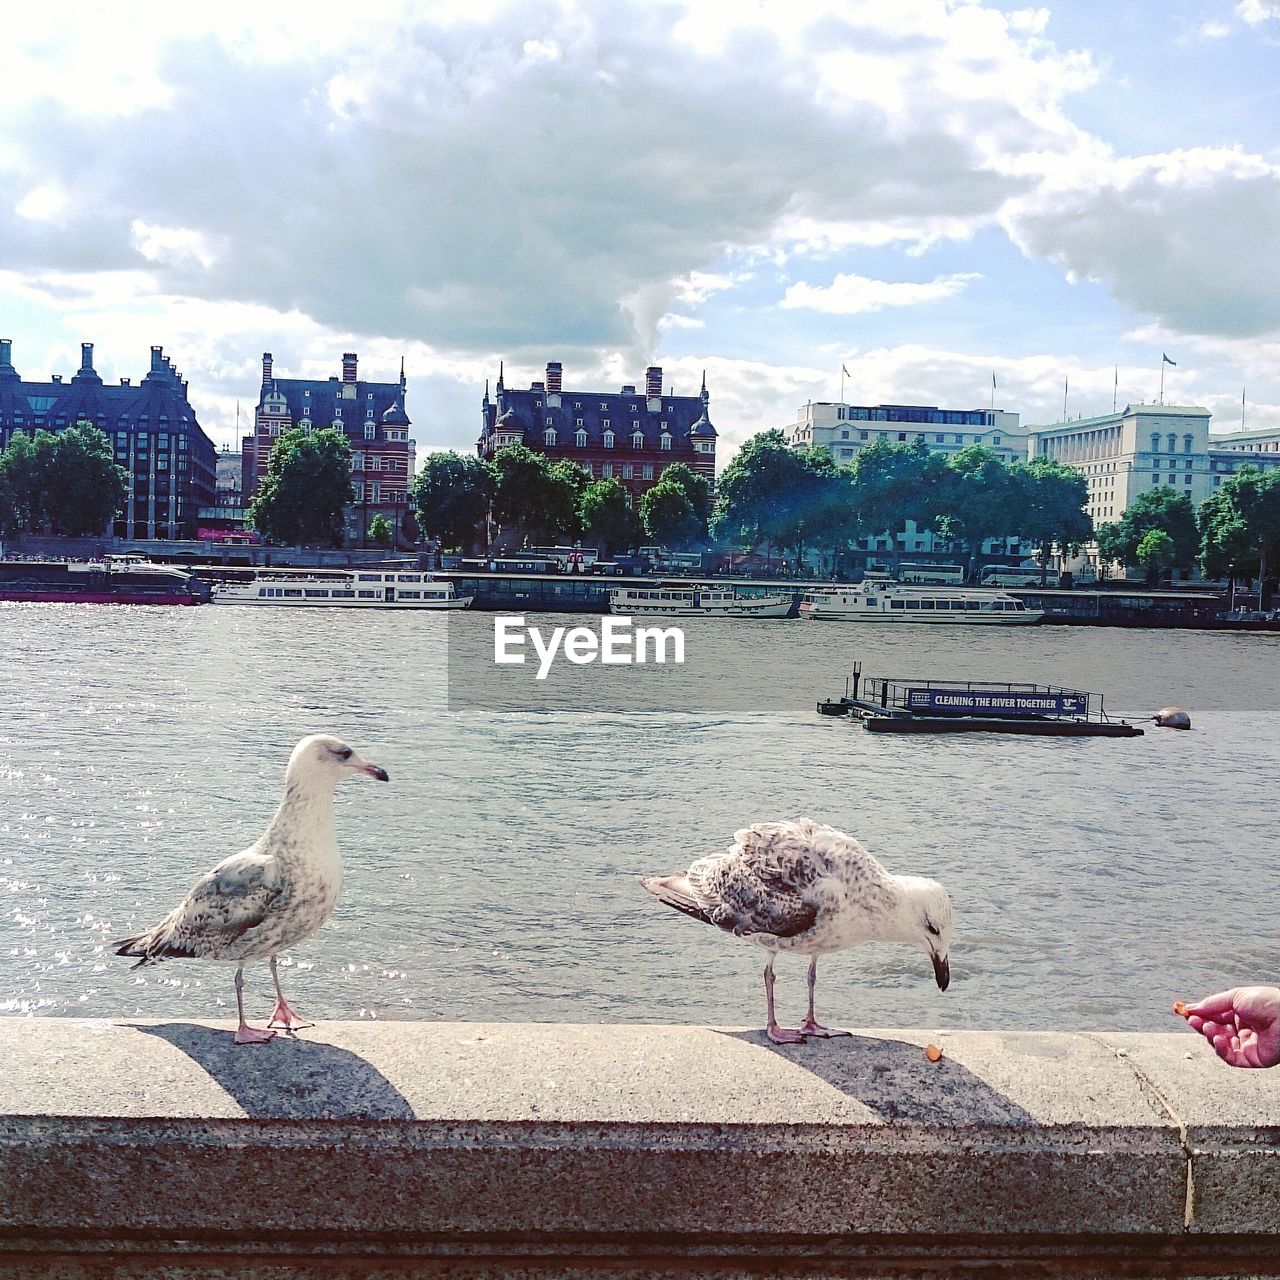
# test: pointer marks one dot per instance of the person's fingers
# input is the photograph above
(1215, 1005)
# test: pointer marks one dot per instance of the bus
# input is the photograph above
(932, 574)
(1011, 575)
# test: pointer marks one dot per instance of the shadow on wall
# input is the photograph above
(894, 1080)
(288, 1079)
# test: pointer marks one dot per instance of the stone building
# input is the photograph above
(168, 459)
(622, 434)
(373, 418)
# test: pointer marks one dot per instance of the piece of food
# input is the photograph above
(933, 1053)
(1181, 1008)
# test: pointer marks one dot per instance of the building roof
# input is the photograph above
(318, 400)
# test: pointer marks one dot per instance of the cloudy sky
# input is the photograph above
(927, 192)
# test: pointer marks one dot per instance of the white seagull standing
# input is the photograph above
(805, 887)
(281, 889)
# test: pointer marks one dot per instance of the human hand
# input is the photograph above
(1242, 1024)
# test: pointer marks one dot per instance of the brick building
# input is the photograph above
(372, 416)
(168, 459)
(620, 434)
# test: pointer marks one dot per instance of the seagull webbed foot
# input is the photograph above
(811, 1028)
(783, 1035)
(246, 1034)
(287, 1018)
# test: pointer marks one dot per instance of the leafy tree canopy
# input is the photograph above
(1240, 524)
(451, 496)
(307, 486)
(1162, 508)
(606, 515)
(380, 531)
(67, 482)
(668, 516)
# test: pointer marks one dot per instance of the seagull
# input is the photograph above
(808, 888)
(281, 889)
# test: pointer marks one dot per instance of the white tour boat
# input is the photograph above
(689, 600)
(873, 602)
(347, 588)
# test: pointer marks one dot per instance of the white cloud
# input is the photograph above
(1255, 12)
(46, 203)
(849, 294)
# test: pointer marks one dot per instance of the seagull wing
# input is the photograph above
(761, 885)
(236, 896)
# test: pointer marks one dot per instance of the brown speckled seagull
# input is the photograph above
(805, 887)
(281, 889)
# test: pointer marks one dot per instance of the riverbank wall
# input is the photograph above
(531, 1150)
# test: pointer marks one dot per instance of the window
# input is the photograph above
(628, 472)
(1155, 442)
(337, 413)
(635, 426)
(549, 422)
(580, 438)
(844, 435)
(606, 470)
(664, 441)
(938, 439)
(370, 430)
(1186, 444)
(608, 439)
(902, 436)
(604, 404)
(647, 472)
(549, 436)
(637, 441)
(577, 422)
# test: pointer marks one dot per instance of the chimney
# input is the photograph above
(553, 377)
(86, 357)
(266, 368)
(6, 353)
(653, 382)
(628, 390)
(348, 366)
(157, 358)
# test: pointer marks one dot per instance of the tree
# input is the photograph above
(380, 531)
(983, 499)
(21, 491)
(1161, 508)
(781, 496)
(696, 489)
(605, 514)
(567, 482)
(1053, 509)
(306, 488)
(1155, 554)
(668, 516)
(894, 483)
(451, 497)
(1240, 526)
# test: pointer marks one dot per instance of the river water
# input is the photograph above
(1094, 880)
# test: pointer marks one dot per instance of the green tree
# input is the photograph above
(774, 494)
(892, 483)
(451, 497)
(1156, 554)
(696, 489)
(306, 488)
(668, 516)
(21, 488)
(1240, 525)
(1162, 508)
(984, 498)
(605, 514)
(380, 531)
(567, 482)
(1053, 509)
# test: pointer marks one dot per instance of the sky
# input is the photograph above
(931, 195)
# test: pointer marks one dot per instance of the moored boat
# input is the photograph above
(343, 588)
(125, 579)
(874, 602)
(691, 599)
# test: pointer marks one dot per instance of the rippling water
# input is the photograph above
(494, 878)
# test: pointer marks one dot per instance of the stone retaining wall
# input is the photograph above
(396, 1149)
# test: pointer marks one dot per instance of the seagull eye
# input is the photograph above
(344, 754)
(932, 928)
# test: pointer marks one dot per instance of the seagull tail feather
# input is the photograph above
(152, 946)
(676, 891)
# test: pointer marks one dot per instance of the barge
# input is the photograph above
(122, 579)
(885, 705)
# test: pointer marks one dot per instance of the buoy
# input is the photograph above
(1172, 718)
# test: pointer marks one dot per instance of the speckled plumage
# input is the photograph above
(808, 888)
(281, 889)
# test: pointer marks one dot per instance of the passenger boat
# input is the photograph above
(345, 588)
(690, 600)
(122, 579)
(873, 602)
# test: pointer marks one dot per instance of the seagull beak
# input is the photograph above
(941, 971)
(374, 771)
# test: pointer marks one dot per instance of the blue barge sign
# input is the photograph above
(993, 703)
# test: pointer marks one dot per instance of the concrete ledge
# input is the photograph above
(519, 1149)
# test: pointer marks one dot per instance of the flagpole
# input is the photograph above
(1115, 389)
(842, 384)
(1065, 381)
(1162, 379)
(1242, 391)
(993, 390)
